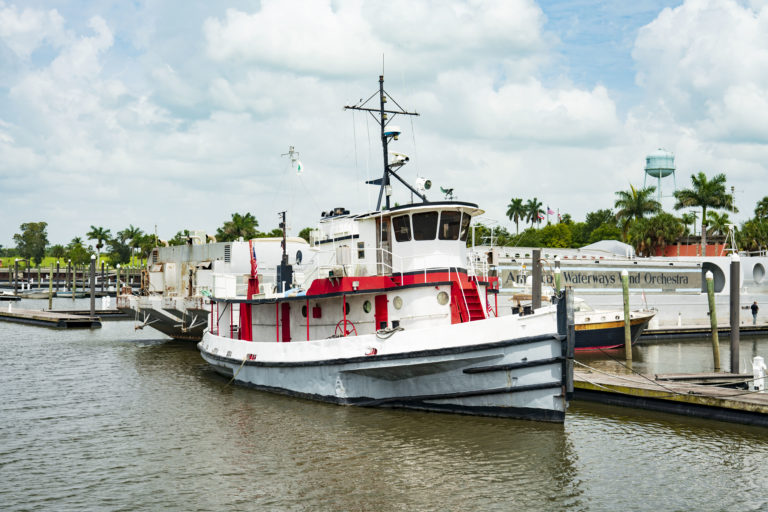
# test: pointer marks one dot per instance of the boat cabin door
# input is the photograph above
(383, 246)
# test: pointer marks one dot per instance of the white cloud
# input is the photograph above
(706, 60)
(25, 30)
(183, 127)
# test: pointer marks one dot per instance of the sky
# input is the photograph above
(172, 115)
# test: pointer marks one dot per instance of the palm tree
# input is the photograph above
(240, 226)
(76, 242)
(689, 218)
(633, 204)
(515, 212)
(718, 223)
(655, 233)
(101, 235)
(533, 211)
(761, 210)
(132, 235)
(705, 194)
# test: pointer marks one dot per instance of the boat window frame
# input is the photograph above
(396, 228)
(422, 232)
(444, 227)
(464, 227)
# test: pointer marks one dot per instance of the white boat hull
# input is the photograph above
(507, 367)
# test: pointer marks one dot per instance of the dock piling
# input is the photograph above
(50, 289)
(734, 296)
(627, 329)
(92, 276)
(536, 280)
(713, 319)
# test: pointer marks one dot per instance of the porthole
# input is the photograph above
(758, 273)
(397, 302)
(346, 308)
(442, 298)
(367, 306)
(304, 311)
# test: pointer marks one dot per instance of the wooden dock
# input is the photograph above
(103, 314)
(676, 394)
(695, 331)
(52, 319)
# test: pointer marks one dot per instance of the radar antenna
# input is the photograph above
(380, 115)
(293, 155)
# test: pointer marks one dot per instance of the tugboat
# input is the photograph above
(393, 317)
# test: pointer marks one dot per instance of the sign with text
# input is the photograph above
(641, 278)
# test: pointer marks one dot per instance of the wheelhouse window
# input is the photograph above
(424, 226)
(402, 227)
(465, 220)
(449, 225)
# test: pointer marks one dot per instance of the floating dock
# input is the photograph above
(683, 394)
(696, 331)
(54, 319)
(103, 314)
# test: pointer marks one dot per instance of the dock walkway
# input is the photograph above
(674, 394)
(698, 331)
(50, 319)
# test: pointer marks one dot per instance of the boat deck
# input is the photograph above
(677, 394)
(54, 319)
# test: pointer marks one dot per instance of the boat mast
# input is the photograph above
(383, 120)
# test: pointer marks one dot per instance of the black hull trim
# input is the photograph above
(608, 337)
(514, 366)
(420, 402)
(391, 357)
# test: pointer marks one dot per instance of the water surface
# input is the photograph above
(120, 419)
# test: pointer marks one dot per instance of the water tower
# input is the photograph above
(660, 164)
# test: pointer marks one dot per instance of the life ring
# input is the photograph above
(341, 331)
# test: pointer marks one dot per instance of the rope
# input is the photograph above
(237, 372)
(384, 334)
(672, 391)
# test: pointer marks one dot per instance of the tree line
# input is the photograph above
(637, 218)
(126, 245)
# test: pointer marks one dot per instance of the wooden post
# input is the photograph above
(92, 275)
(571, 341)
(66, 281)
(557, 281)
(50, 289)
(627, 330)
(16, 277)
(536, 280)
(117, 283)
(39, 276)
(102, 277)
(58, 275)
(74, 281)
(713, 319)
(735, 302)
